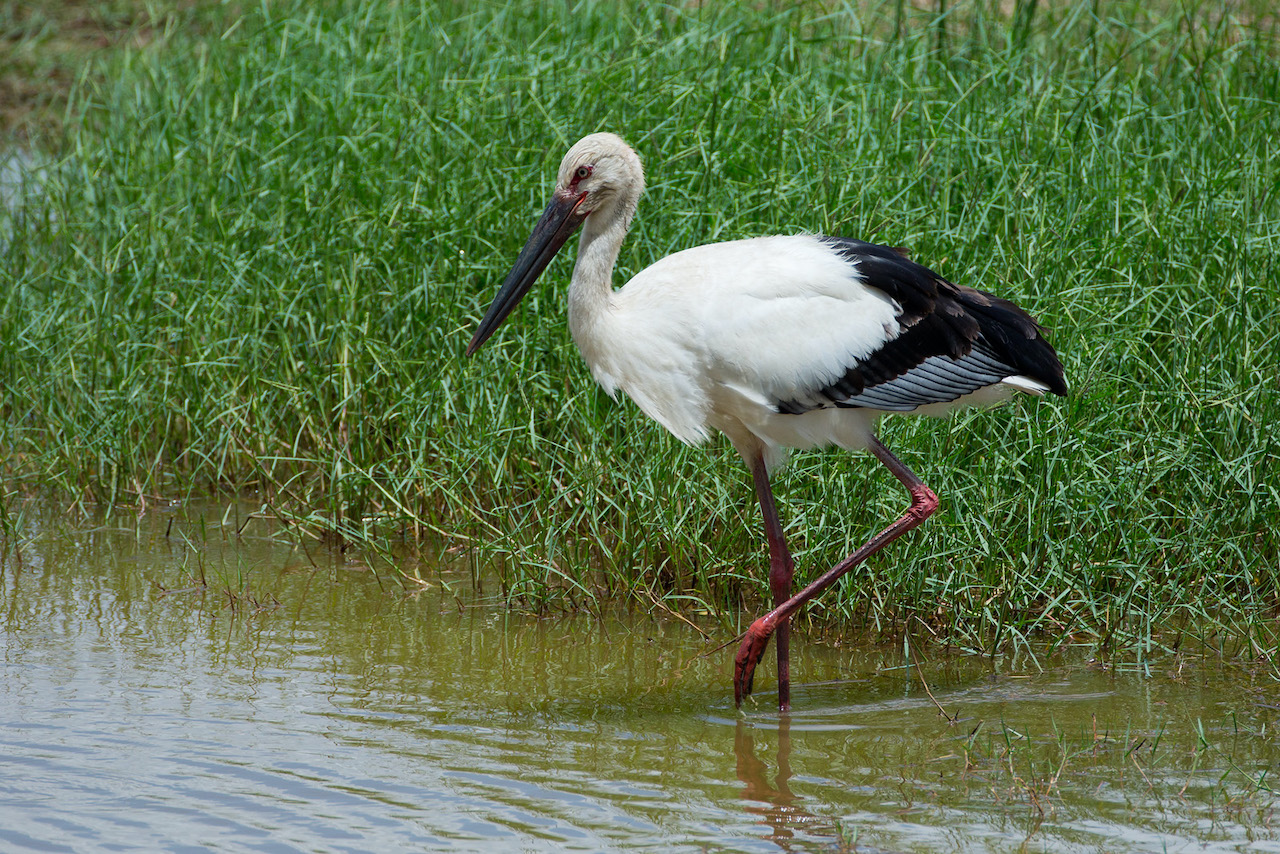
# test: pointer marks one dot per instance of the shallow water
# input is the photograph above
(287, 705)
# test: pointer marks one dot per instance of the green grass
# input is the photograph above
(47, 47)
(259, 254)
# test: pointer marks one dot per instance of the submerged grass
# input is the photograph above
(255, 259)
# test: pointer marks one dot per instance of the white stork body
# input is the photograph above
(716, 336)
(777, 342)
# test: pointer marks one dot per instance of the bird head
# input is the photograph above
(604, 174)
(600, 180)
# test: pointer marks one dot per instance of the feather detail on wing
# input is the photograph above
(950, 341)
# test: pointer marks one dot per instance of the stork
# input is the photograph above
(779, 342)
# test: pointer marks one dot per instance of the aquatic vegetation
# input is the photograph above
(258, 257)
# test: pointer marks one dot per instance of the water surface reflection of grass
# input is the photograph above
(171, 682)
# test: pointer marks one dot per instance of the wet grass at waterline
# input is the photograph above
(488, 724)
(254, 261)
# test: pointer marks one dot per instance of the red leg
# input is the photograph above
(923, 503)
(781, 570)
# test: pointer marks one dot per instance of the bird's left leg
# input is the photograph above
(781, 570)
(923, 503)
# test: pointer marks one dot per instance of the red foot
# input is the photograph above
(749, 654)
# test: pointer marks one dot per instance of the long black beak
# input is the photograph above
(558, 222)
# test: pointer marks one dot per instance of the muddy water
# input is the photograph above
(291, 702)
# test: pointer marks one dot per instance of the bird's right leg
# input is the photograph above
(923, 503)
(781, 570)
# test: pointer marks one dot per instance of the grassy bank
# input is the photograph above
(258, 256)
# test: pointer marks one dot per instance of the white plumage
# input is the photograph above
(777, 342)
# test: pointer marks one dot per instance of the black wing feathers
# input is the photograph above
(983, 338)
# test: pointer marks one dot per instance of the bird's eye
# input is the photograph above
(583, 172)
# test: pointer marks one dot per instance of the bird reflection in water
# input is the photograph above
(774, 802)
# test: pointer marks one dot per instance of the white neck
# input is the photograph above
(591, 289)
